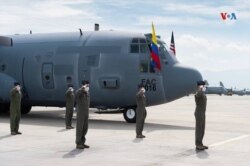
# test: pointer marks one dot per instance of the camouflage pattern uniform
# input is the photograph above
(69, 107)
(200, 117)
(82, 107)
(15, 109)
(140, 112)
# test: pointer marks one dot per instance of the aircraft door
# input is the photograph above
(85, 64)
(47, 76)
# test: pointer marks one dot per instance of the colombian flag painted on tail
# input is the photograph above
(154, 53)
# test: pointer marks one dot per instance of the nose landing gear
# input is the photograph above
(129, 114)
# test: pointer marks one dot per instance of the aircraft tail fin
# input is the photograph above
(221, 84)
(6, 41)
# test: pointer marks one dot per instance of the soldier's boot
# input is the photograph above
(205, 147)
(199, 147)
(86, 146)
(18, 132)
(69, 127)
(13, 133)
(79, 147)
(140, 136)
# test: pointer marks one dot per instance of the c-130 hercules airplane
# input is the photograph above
(114, 62)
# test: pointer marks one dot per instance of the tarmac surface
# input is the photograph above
(169, 131)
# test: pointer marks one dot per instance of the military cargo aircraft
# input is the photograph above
(239, 92)
(114, 62)
(220, 90)
(247, 92)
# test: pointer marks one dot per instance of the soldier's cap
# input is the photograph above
(201, 83)
(16, 83)
(140, 86)
(85, 82)
(70, 85)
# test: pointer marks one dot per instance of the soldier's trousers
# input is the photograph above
(81, 131)
(68, 116)
(15, 116)
(140, 120)
(199, 129)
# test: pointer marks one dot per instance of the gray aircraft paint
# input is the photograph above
(45, 63)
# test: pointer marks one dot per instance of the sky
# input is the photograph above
(219, 49)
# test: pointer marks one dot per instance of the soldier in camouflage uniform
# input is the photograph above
(15, 108)
(140, 111)
(70, 101)
(82, 107)
(200, 117)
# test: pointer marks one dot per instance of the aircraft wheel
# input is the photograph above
(26, 109)
(130, 115)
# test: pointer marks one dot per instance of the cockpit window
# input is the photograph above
(135, 40)
(139, 45)
(143, 41)
(134, 48)
(162, 50)
(165, 55)
(143, 48)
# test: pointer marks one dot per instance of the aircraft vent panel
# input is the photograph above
(109, 83)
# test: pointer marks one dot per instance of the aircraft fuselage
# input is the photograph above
(115, 63)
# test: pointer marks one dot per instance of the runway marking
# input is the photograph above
(230, 140)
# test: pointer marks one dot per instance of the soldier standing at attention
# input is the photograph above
(140, 111)
(15, 108)
(69, 106)
(200, 117)
(82, 107)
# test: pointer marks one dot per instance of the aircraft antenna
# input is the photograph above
(80, 31)
(97, 27)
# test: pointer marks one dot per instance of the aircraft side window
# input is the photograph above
(139, 45)
(142, 41)
(135, 40)
(143, 48)
(134, 48)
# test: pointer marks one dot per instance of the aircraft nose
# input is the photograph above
(181, 81)
(194, 76)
